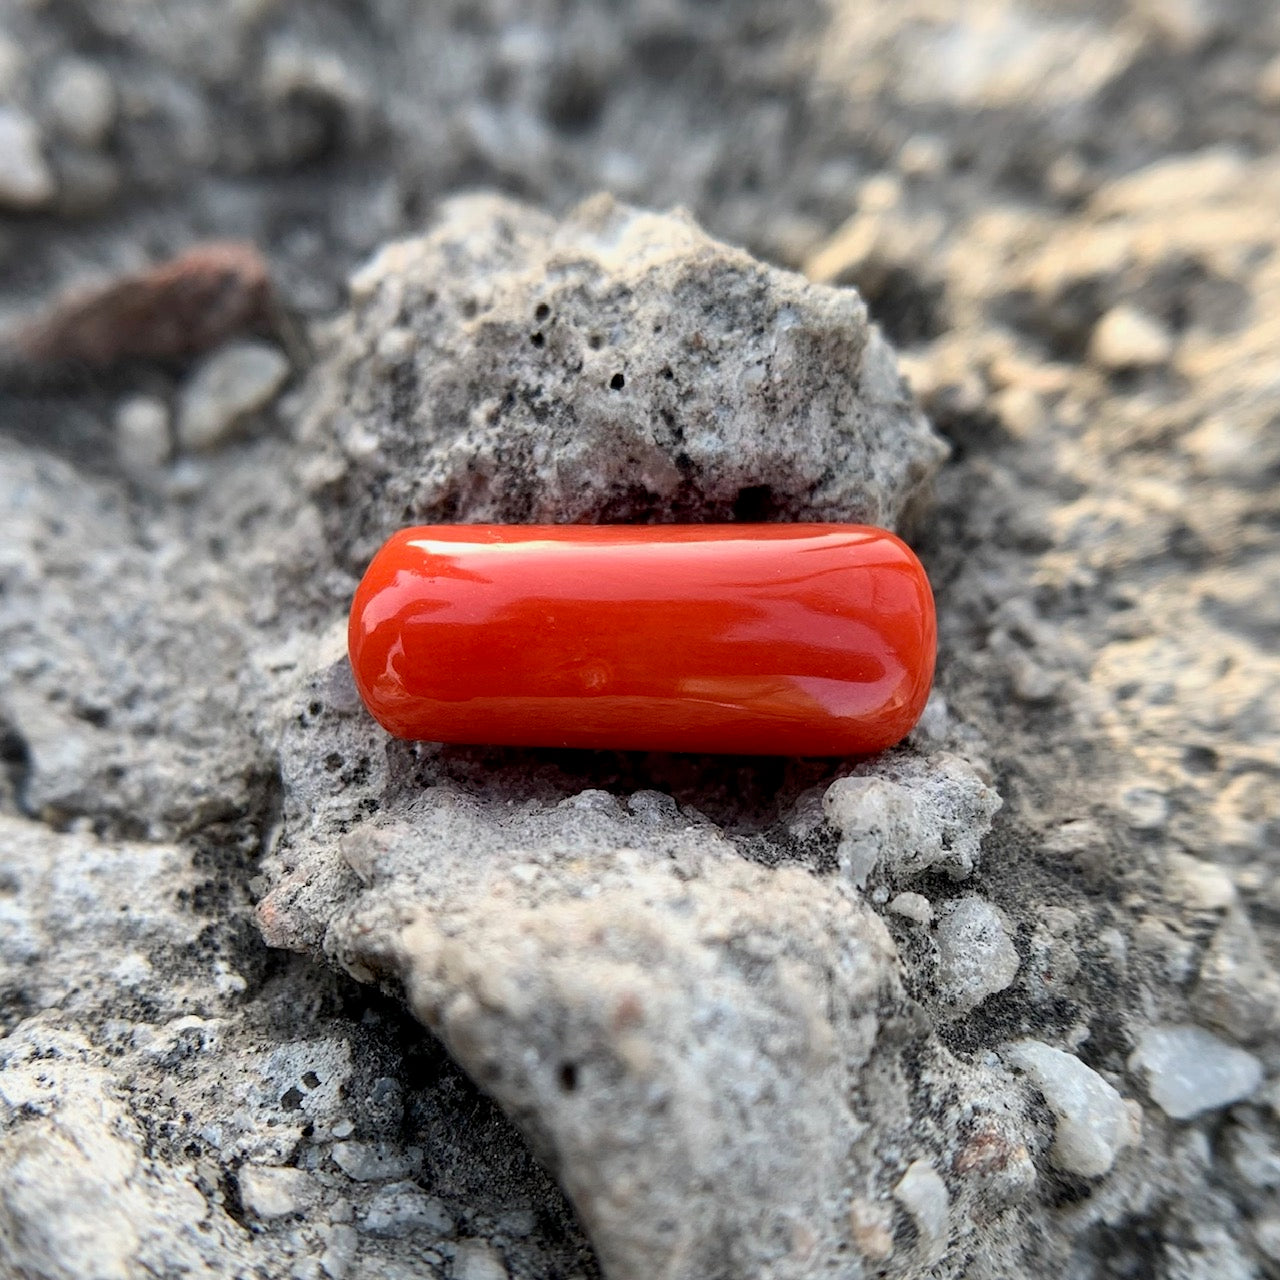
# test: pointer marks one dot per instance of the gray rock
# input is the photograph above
(79, 1196)
(113, 723)
(923, 1194)
(910, 814)
(1126, 339)
(976, 957)
(375, 1161)
(26, 181)
(1189, 1071)
(616, 365)
(1103, 555)
(230, 385)
(404, 1208)
(132, 1127)
(70, 903)
(615, 1030)
(1238, 989)
(81, 101)
(476, 1260)
(1093, 1120)
(143, 438)
(912, 906)
(273, 1193)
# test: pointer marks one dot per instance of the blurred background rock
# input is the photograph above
(1063, 217)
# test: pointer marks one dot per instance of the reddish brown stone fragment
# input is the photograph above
(178, 308)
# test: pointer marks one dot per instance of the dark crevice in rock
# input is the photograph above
(15, 768)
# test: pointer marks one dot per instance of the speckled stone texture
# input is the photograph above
(279, 997)
(616, 365)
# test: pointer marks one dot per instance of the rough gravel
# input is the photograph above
(279, 997)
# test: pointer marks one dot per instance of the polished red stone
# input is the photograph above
(779, 639)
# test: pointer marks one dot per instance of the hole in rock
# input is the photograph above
(754, 504)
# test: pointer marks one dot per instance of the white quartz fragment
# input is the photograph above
(1093, 1121)
(923, 1194)
(912, 906)
(976, 957)
(1190, 1071)
(273, 1193)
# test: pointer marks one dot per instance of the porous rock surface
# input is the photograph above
(616, 365)
(1064, 219)
(595, 960)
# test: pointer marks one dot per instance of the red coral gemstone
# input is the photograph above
(780, 639)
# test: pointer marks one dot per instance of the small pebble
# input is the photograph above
(1145, 807)
(1202, 886)
(186, 305)
(402, 1209)
(1068, 177)
(517, 1223)
(869, 813)
(923, 1194)
(1032, 683)
(272, 1193)
(142, 434)
(476, 1260)
(1190, 1071)
(395, 346)
(976, 958)
(1254, 1156)
(81, 101)
(1126, 338)
(342, 1243)
(375, 1161)
(186, 478)
(1020, 409)
(914, 907)
(229, 385)
(1093, 1121)
(26, 181)
(923, 155)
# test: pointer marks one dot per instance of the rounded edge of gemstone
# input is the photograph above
(381, 697)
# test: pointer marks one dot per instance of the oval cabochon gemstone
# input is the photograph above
(780, 639)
